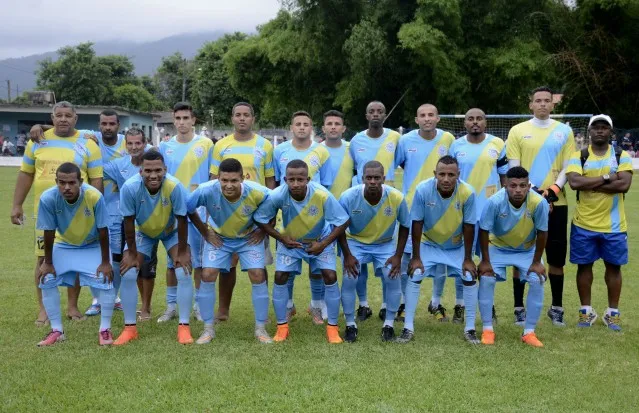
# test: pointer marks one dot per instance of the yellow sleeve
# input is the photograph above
(94, 163)
(269, 170)
(217, 159)
(28, 159)
(574, 164)
(512, 144)
(625, 163)
(569, 148)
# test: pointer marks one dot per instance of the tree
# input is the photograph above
(174, 73)
(135, 97)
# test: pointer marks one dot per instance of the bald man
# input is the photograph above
(376, 143)
(482, 164)
(417, 154)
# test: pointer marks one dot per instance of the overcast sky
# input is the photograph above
(36, 26)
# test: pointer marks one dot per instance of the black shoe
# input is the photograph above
(458, 314)
(406, 336)
(471, 337)
(382, 314)
(431, 309)
(494, 316)
(350, 335)
(388, 333)
(400, 313)
(364, 313)
(440, 314)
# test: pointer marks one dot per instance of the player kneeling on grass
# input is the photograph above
(513, 233)
(231, 203)
(601, 175)
(74, 215)
(443, 229)
(156, 202)
(374, 210)
(312, 220)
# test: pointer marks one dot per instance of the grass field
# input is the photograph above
(578, 370)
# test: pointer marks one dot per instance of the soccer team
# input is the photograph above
(214, 207)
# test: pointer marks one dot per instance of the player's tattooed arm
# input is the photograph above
(47, 264)
(104, 269)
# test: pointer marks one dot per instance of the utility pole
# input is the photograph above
(184, 81)
(8, 91)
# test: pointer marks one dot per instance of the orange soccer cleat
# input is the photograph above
(129, 333)
(282, 332)
(332, 334)
(184, 334)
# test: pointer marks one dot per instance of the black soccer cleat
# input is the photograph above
(400, 313)
(406, 336)
(471, 337)
(364, 313)
(388, 334)
(350, 335)
(458, 314)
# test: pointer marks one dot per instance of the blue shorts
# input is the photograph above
(290, 260)
(251, 256)
(588, 246)
(377, 254)
(72, 261)
(195, 241)
(436, 259)
(115, 235)
(145, 244)
(501, 259)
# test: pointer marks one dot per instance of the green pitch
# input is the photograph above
(578, 370)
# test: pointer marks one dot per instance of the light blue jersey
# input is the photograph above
(189, 162)
(514, 229)
(341, 169)
(374, 224)
(154, 214)
(76, 224)
(443, 217)
(364, 148)
(308, 220)
(316, 158)
(120, 170)
(480, 165)
(232, 219)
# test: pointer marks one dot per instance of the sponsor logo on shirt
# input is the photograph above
(388, 211)
(431, 204)
(527, 137)
(356, 211)
(411, 150)
(169, 151)
(43, 143)
(461, 154)
(313, 210)
(361, 149)
(493, 153)
(503, 215)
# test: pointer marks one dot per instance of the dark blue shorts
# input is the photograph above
(587, 246)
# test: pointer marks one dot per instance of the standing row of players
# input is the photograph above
(379, 143)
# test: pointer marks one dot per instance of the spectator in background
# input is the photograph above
(167, 137)
(579, 140)
(7, 147)
(21, 143)
(1, 140)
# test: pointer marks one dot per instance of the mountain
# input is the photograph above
(145, 56)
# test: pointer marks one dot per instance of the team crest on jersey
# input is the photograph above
(390, 147)
(528, 214)
(314, 161)
(80, 149)
(441, 150)
(258, 154)
(313, 210)
(165, 202)
(457, 205)
(559, 136)
(527, 136)
(198, 151)
(87, 212)
(246, 210)
(388, 211)
(493, 153)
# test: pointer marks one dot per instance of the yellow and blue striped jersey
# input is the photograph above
(340, 169)
(541, 151)
(598, 211)
(43, 159)
(255, 155)
(118, 171)
(308, 220)
(189, 162)
(418, 158)
(316, 157)
(480, 165)
(443, 217)
(76, 224)
(154, 214)
(232, 219)
(374, 224)
(514, 229)
(364, 148)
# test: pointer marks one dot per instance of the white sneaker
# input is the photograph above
(207, 335)
(262, 335)
(169, 314)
